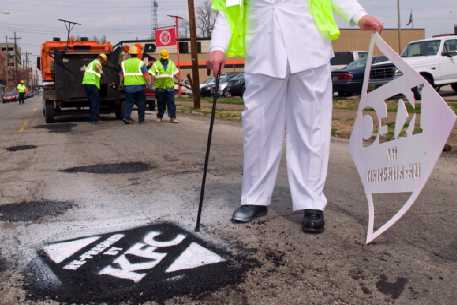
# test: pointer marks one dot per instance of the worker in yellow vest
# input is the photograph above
(91, 82)
(165, 72)
(134, 77)
(21, 89)
(287, 46)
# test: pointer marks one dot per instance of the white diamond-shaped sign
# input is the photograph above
(402, 159)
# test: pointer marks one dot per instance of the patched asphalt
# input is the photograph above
(33, 210)
(112, 168)
(57, 127)
(46, 279)
(3, 265)
(20, 147)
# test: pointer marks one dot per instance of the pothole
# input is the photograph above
(112, 168)
(33, 210)
(20, 147)
(58, 127)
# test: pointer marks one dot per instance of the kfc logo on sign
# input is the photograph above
(166, 37)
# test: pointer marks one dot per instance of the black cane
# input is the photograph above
(208, 150)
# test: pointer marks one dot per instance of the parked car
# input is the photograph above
(342, 59)
(349, 80)
(207, 88)
(435, 59)
(235, 86)
(11, 96)
(186, 89)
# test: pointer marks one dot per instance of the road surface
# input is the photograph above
(105, 213)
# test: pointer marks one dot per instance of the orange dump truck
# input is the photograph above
(62, 67)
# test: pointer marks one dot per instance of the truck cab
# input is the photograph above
(435, 59)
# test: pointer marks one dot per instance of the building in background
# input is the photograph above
(13, 62)
(3, 75)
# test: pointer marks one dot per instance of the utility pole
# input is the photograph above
(194, 53)
(27, 77)
(399, 26)
(7, 76)
(177, 18)
(16, 59)
(69, 25)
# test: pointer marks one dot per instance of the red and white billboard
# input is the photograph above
(166, 37)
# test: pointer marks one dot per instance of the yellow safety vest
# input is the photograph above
(91, 76)
(131, 68)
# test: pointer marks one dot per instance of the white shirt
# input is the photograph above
(282, 33)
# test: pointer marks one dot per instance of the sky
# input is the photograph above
(35, 21)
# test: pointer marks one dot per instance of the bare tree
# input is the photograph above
(205, 18)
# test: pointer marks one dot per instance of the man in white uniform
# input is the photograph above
(288, 93)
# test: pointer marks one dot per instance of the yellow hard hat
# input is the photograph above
(133, 50)
(164, 54)
(103, 56)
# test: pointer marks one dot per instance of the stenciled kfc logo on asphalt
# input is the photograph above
(153, 262)
(398, 157)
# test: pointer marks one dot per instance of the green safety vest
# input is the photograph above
(131, 69)
(21, 88)
(91, 76)
(164, 78)
(321, 10)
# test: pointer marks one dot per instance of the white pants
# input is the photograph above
(299, 107)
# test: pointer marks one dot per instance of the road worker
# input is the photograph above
(21, 89)
(91, 82)
(287, 46)
(134, 77)
(165, 72)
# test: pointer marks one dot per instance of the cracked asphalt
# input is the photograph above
(72, 179)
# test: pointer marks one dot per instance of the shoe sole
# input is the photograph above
(313, 231)
(241, 221)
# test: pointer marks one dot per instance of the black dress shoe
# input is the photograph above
(313, 221)
(127, 121)
(247, 213)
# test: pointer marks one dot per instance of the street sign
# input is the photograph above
(398, 156)
(166, 37)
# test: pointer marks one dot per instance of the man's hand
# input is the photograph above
(371, 23)
(216, 61)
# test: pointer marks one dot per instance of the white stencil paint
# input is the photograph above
(193, 257)
(61, 251)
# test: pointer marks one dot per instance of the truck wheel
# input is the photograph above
(49, 111)
(454, 87)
